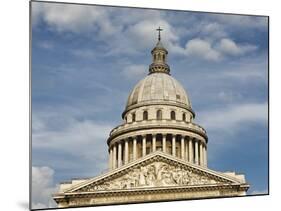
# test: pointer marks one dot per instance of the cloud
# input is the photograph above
(214, 29)
(209, 39)
(43, 187)
(46, 45)
(242, 21)
(139, 31)
(229, 47)
(258, 192)
(58, 131)
(85, 53)
(75, 18)
(229, 96)
(246, 69)
(135, 71)
(203, 49)
(234, 116)
(215, 50)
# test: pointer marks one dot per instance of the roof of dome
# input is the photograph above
(159, 45)
(158, 87)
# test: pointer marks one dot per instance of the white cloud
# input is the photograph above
(46, 45)
(135, 71)
(229, 96)
(234, 116)
(257, 192)
(248, 69)
(42, 187)
(75, 18)
(136, 33)
(216, 50)
(82, 138)
(143, 33)
(202, 48)
(241, 21)
(85, 53)
(211, 30)
(229, 47)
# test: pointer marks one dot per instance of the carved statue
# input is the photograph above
(157, 174)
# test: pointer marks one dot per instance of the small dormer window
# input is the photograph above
(173, 115)
(183, 117)
(133, 117)
(159, 114)
(145, 115)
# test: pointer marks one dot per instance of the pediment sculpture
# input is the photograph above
(157, 174)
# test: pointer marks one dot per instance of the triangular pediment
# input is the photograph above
(155, 170)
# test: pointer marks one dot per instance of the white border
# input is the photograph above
(14, 92)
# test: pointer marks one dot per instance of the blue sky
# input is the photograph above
(87, 59)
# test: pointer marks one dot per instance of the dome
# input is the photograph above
(158, 88)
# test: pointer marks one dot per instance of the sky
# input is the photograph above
(86, 59)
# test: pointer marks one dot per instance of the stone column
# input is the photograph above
(182, 147)
(205, 156)
(173, 145)
(196, 152)
(110, 158)
(126, 156)
(186, 150)
(190, 148)
(143, 145)
(114, 157)
(201, 153)
(164, 142)
(135, 148)
(119, 154)
(153, 142)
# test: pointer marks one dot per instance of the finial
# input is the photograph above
(159, 30)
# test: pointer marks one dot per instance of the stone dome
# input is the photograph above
(158, 88)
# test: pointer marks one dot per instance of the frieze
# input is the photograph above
(156, 174)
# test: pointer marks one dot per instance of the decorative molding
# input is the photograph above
(155, 174)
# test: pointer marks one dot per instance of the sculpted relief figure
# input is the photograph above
(155, 175)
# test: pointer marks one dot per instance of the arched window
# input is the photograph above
(145, 115)
(154, 57)
(159, 56)
(133, 117)
(173, 115)
(159, 115)
(183, 117)
(163, 57)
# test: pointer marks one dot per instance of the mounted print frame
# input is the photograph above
(136, 105)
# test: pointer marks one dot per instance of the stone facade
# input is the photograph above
(154, 177)
(158, 153)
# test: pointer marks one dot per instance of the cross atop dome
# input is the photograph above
(159, 35)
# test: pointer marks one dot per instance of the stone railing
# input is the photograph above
(152, 123)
